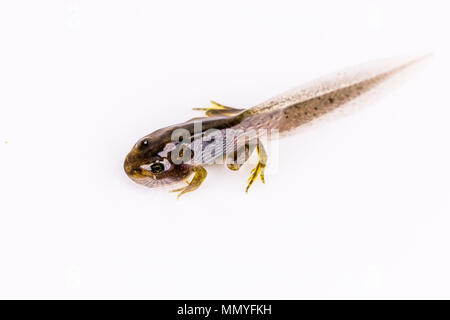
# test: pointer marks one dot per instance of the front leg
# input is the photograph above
(199, 177)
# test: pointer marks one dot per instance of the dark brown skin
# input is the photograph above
(146, 151)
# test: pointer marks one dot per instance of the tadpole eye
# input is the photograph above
(143, 144)
(157, 167)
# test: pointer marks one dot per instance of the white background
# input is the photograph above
(359, 207)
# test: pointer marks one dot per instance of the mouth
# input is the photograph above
(141, 176)
(136, 173)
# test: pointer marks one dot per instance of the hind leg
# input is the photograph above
(258, 171)
(236, 159)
